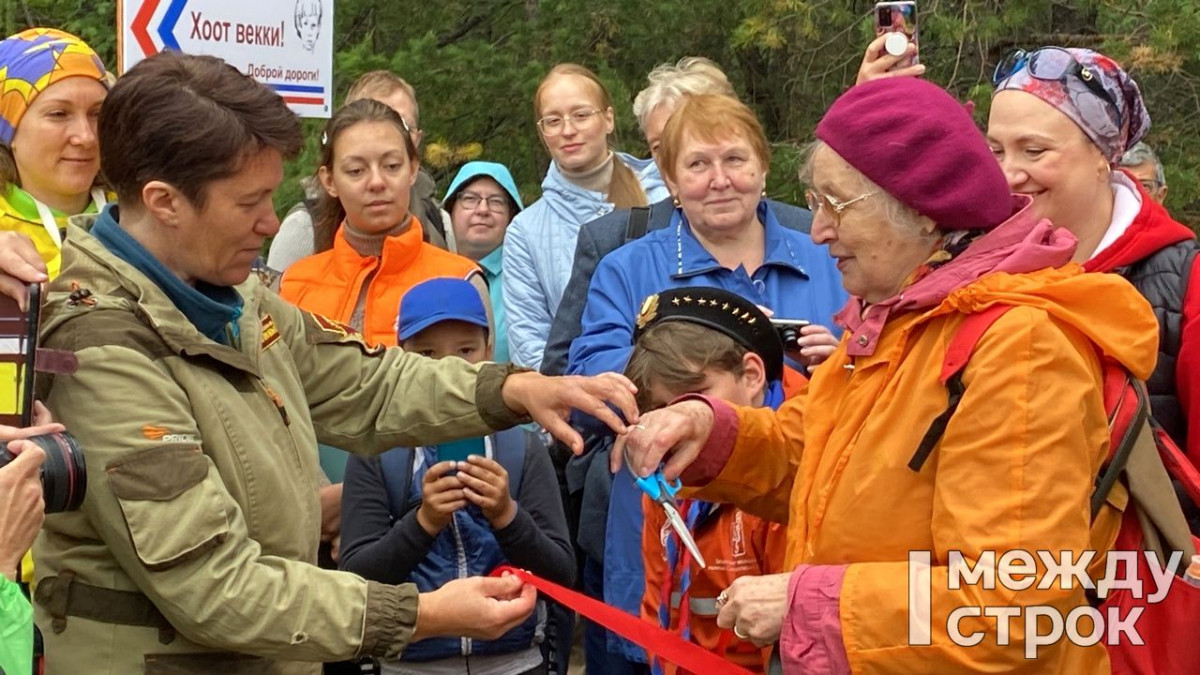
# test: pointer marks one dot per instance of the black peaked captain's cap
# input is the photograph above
(722, 311)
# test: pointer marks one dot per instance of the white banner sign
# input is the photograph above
(285, 44)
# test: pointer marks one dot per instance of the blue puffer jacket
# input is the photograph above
(539, 249)
(465, 549)
(797, 280)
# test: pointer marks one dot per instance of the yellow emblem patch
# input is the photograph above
(270, 333)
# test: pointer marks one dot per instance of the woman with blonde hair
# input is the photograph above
(586, 179)
(53, 85)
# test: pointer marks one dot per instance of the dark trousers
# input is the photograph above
(595, 640)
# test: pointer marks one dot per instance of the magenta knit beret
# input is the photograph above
(921, 146)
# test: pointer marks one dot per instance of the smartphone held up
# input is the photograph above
(899, 21)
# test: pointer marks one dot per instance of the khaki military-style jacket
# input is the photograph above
(195, 549)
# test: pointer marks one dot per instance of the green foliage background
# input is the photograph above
(476, 63)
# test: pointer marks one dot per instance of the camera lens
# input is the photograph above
(791, 338)
(64, 474)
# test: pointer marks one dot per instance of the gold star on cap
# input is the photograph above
(687, 299)
(649, 311)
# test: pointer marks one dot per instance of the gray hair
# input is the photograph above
(1140, 154)
(670, 82)
(902, 217)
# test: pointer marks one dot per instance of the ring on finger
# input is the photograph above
(739, 634)
(722, 599)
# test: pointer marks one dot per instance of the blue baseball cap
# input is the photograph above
(497, 172)
(438, 300)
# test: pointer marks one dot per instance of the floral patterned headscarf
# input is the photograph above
(1114, 122)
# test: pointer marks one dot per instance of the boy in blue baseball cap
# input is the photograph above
(437, 320)
(430, 514)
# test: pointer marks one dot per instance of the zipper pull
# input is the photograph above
(278, 401)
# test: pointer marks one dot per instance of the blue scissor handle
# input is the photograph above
(658, 487)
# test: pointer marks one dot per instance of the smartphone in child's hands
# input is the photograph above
(459, 451)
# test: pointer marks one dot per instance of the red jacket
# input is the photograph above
(1152, 230)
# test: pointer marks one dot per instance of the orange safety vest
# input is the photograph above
(330, 283)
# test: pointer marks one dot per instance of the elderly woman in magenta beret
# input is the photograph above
(1060, 120)
(926, 233)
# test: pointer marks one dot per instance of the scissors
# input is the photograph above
(663, 494)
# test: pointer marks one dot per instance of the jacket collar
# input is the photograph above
(1018, 245)
(1152, 229)
(130, 290)
(692, 259)
(211, 309)
(492, 263)
(399, 251)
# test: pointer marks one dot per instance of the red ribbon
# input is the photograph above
(661, 643)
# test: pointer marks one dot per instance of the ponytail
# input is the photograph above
(624, 189)
(327, 217)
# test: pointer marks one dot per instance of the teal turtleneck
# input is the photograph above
(213, 310)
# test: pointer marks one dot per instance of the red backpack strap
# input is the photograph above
(953, 364)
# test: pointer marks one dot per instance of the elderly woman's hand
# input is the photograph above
(754, 607)
(816, 344)
(549, 401)
(878, 64)
(681, 429)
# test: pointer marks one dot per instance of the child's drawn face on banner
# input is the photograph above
(308, 22)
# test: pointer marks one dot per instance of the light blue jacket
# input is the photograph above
(539, 250)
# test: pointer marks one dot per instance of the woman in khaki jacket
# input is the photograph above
(199, 400)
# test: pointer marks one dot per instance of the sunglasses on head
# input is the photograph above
(1053, 64)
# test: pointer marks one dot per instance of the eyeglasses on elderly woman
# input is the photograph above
(1054, 64)
(817, 201)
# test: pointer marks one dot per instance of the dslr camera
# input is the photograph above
(64, 474)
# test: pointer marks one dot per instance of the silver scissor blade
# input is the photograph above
(685, 536)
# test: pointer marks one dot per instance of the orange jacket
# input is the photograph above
(1014, 468)
(330, 283)
(734, 544)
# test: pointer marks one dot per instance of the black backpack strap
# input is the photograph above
(639, 218)
(958, 353)
(509, 448)
(396, 468)
(1120, 457)
(937, 427)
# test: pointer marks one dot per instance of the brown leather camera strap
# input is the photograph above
(63, 596)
